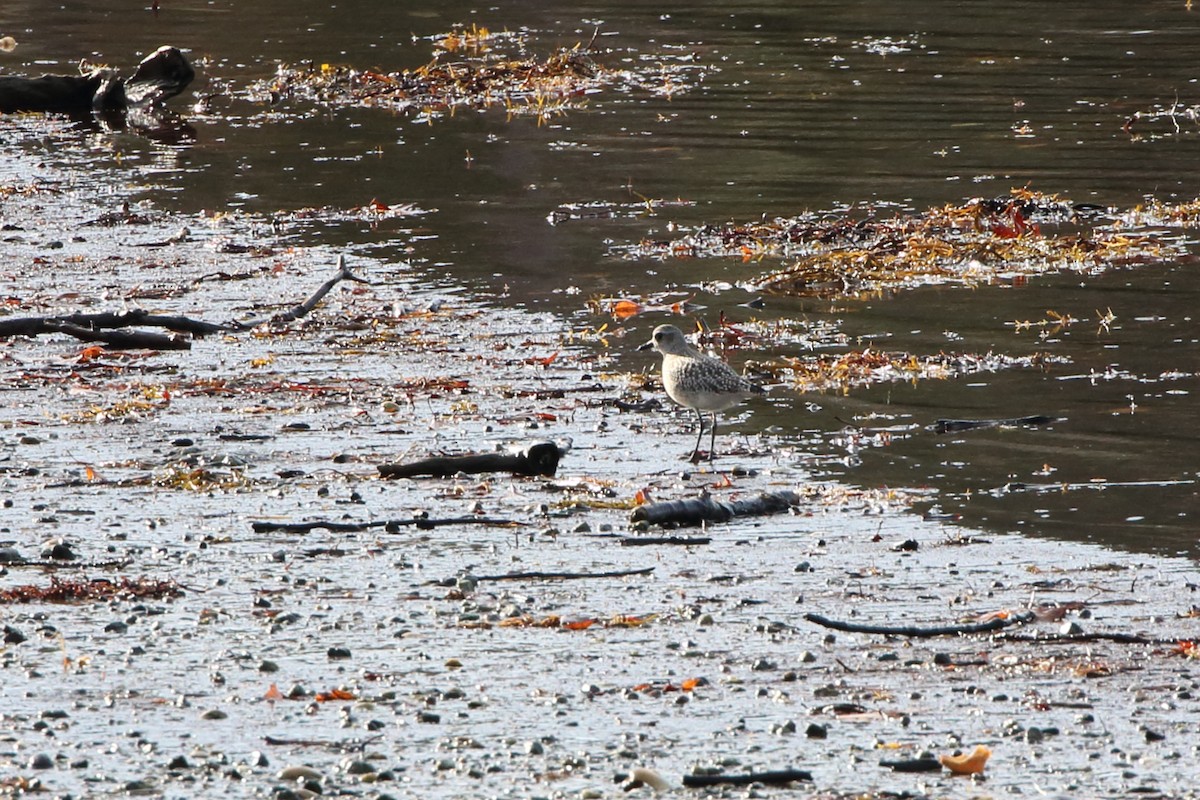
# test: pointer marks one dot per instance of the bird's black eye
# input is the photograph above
(658, 336)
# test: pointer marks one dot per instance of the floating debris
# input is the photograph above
(981, 241)
(480, 78)
(841, 372)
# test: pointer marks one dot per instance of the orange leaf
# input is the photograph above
(548, 360)
(691, 683)
(88, 353)
(967, 764)
(334, 694)
(90, 473)
(625, 309)
(579, 625)
(273, 693)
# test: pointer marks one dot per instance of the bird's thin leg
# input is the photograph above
(712, 444)
(699, 437)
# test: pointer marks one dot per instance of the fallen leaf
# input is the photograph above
(967, 764)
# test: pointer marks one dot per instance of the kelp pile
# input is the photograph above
(981, 241)
(91, 590)
(467, 71)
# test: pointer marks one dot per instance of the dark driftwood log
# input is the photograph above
(646, 541)
(391, 525)
(547, 576)
(161, 75)
(540, 458)
(906, 630)
(774, 776)
(118, 340)
(696, 510)
(958, 425)
(913, 765)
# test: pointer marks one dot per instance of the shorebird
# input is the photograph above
(696, 381)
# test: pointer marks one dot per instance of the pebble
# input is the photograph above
(338, 653)
(58, 550)
(357, 767)
(41, 761)
(1070, 628)
(298, 772)
(10, 555)
(534, 748)
(815, 731)
(214, 714)
(266, 665)
(13, 636)
(178, 762)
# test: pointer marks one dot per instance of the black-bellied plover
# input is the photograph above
(696, 381)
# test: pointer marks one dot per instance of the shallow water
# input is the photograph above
(799, 108)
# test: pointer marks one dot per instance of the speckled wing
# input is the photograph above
(705, 383)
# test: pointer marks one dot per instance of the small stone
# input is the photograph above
(358, 767)
(178, 762)
(534, 748)
(41, 761)
(1152, 735)
(214, 714)
(762, 665)
(1070, 628)
(58, 550)
(266, 665)
(808, 657)
(13, 636)
(298, 772)
(1034, 735)
(815, 731)
(257, 759)
(338, 653)
(942, 659)
(803, 566)
(10, 555)
(429, 718)
(117, 627)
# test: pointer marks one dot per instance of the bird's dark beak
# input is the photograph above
(647, 346)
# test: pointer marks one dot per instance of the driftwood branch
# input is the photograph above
(774, 776)
(647, 541)
(540, 458)
(101, 327)
(907, 630)
(303, 309)
(538, 576)
(1073, 638)
(695, 511)
(390, 525)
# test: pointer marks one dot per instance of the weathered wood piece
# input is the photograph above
(918, 632)
(540, 458)
(773, 777)
(697, 510)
